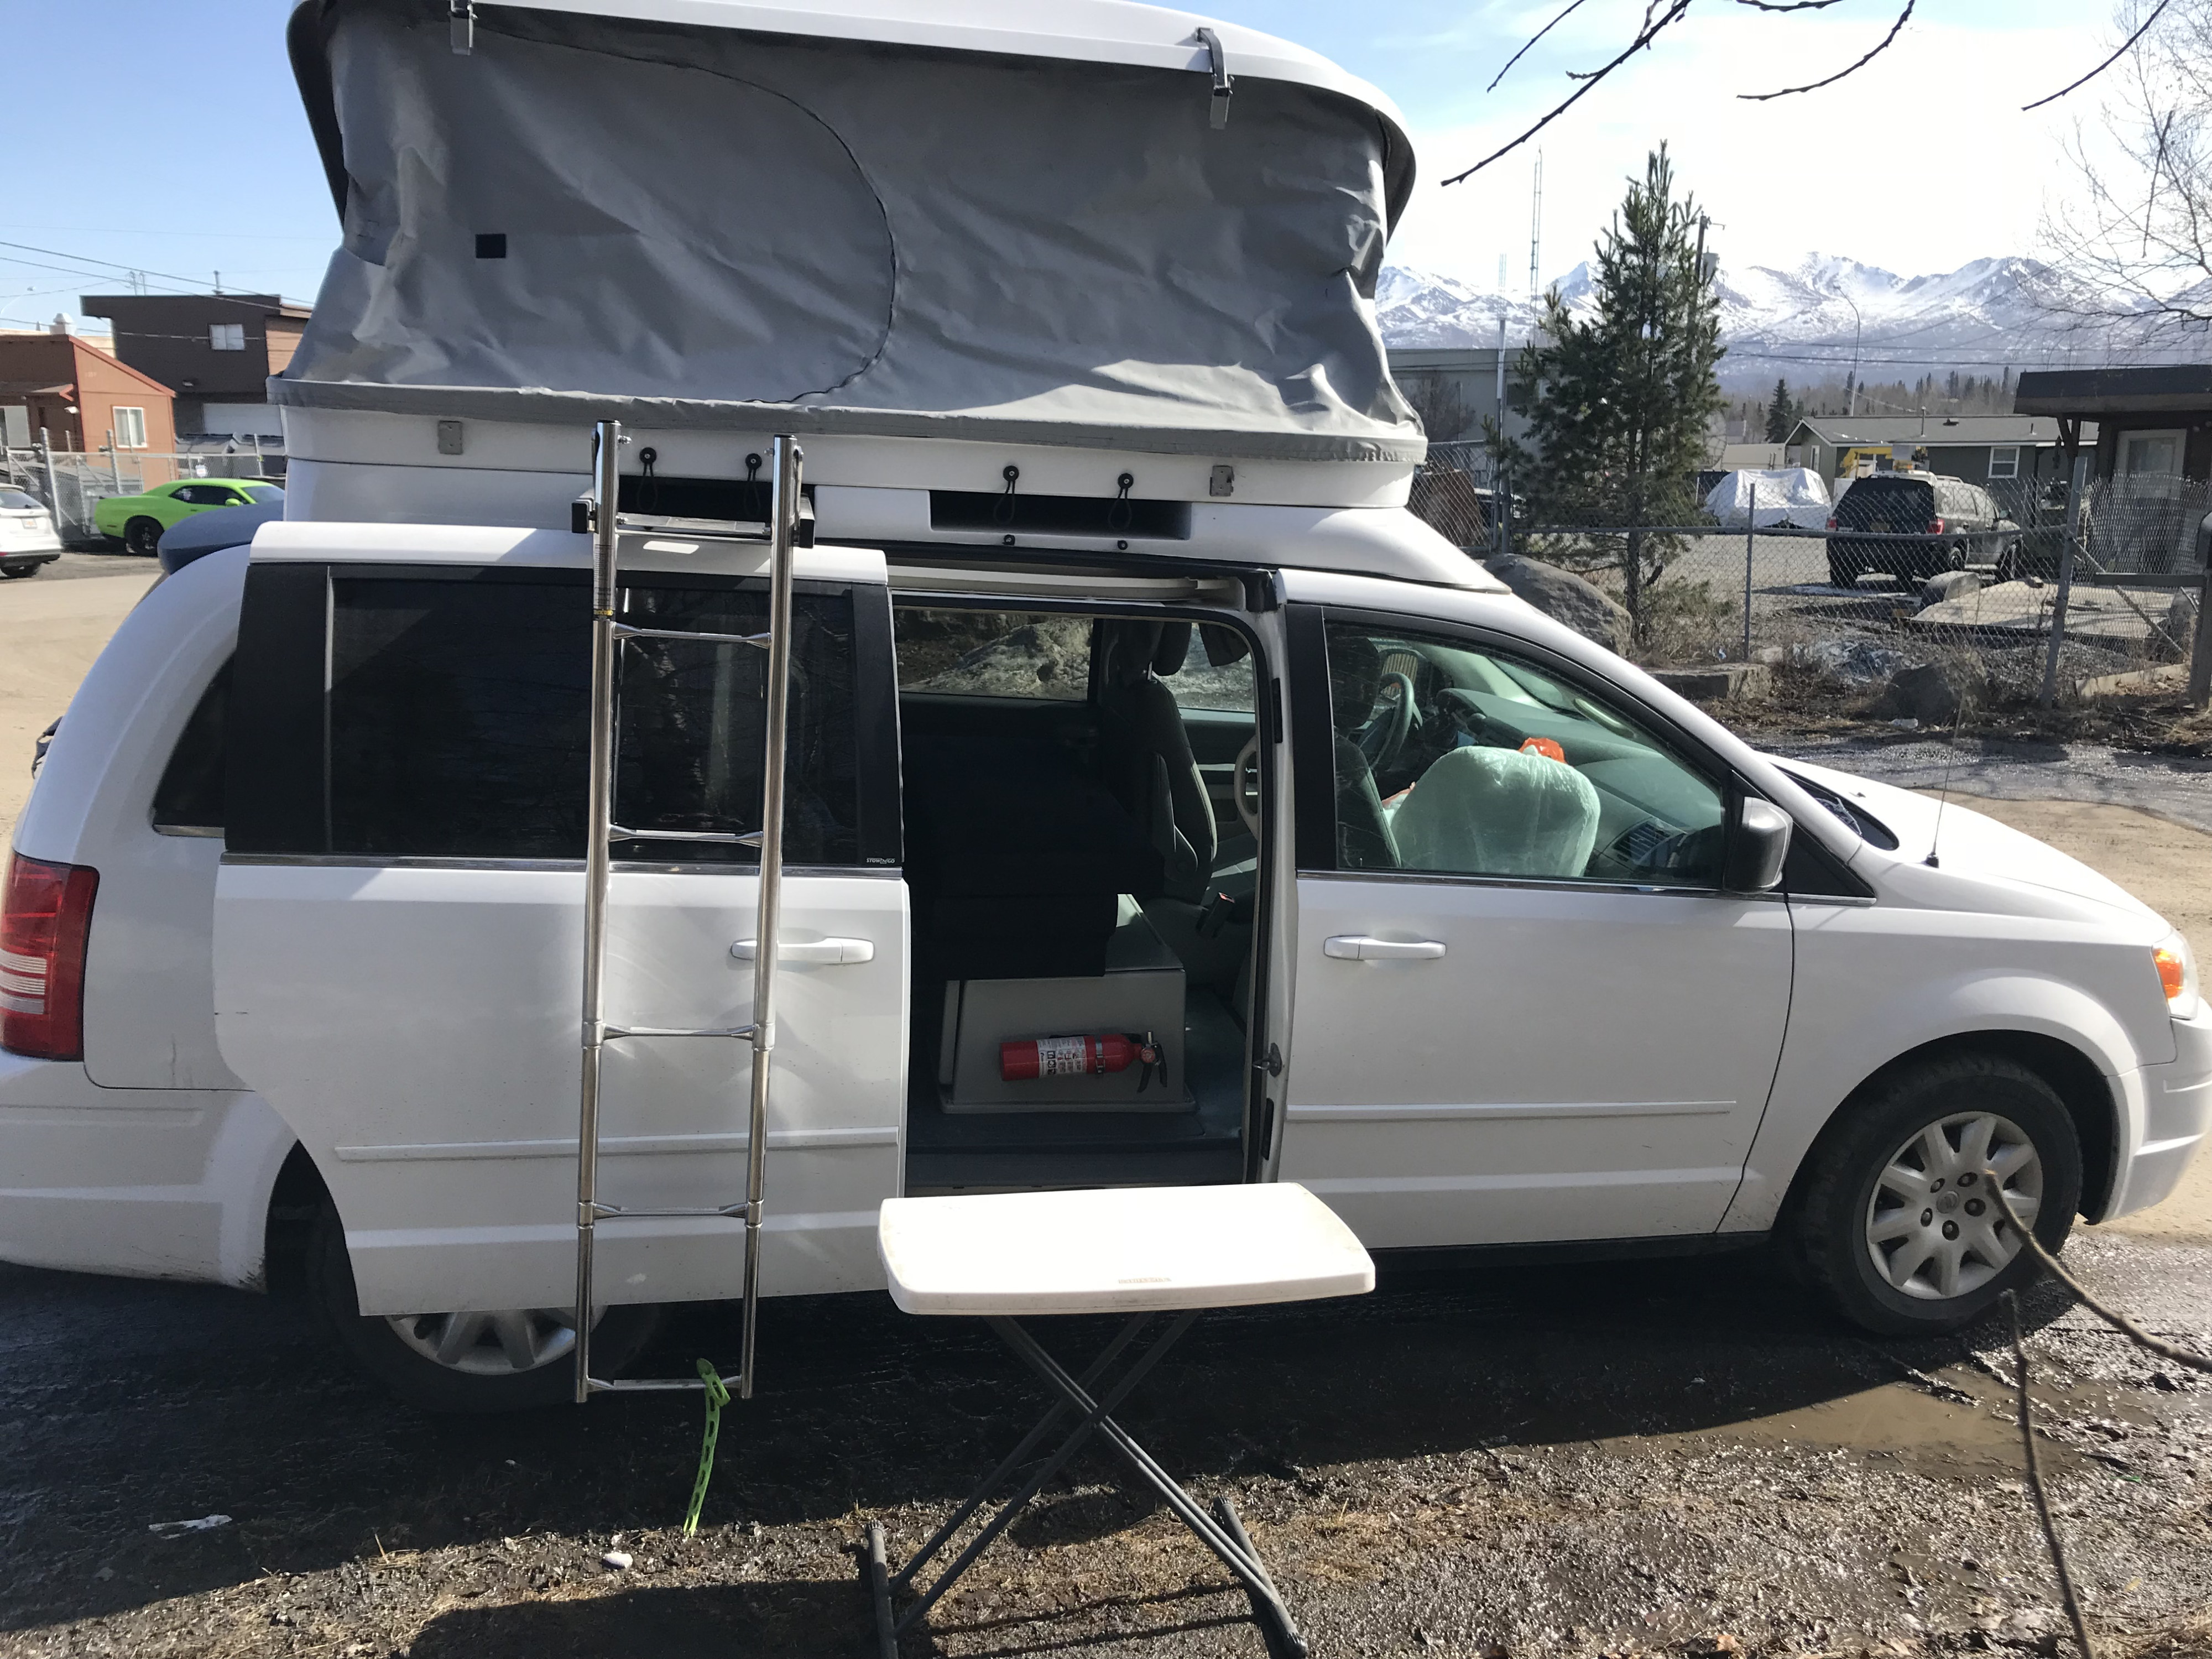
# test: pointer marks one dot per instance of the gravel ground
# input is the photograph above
(1665, 1456)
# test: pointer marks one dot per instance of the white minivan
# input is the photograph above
(1132, 717)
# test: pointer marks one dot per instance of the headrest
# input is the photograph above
(1175, 645)
(1223, 646)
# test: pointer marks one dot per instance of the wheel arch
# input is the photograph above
(2072, 1073)
(288, 1221)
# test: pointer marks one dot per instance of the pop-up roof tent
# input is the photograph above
(981, 219)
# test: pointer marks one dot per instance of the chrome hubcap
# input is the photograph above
(501, 1343)
(1934, 1230)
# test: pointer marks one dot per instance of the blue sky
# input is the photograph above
(195, 158)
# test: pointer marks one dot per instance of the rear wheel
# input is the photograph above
(1843, 571)
(143, 537)
(1897, 1222)
(503, 1360)
(20, 570)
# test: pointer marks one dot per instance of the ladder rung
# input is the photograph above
(667, 1213)
(651, 1384)
(741, 1031)
(624, 631)
(722, 837)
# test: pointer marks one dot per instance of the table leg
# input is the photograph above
(1235, 1553)
(1094, 1413)
(879, 1587)
(1014, 1459)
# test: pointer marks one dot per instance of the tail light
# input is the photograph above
(44, 922)
(1935, 526)
(1832, 524)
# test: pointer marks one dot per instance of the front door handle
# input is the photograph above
(1359, 947)
(826, 951)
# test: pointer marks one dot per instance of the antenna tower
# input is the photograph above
(1535, 221)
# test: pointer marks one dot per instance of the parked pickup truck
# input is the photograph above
(1164, 803)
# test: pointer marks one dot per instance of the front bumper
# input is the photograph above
(2177, 1106)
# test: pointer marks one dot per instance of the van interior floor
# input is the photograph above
(998, 1150)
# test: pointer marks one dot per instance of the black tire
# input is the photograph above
(20, 570)
(1835, 1218)
(143, 537)
(1842, 571)
(377, 1348)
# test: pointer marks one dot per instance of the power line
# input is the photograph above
(79, 261)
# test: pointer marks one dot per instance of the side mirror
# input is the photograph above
(1758, 841)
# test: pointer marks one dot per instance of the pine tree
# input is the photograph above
(1782, 414)
(1619, 406)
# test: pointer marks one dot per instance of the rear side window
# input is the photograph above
(452, 720)
(189, 800)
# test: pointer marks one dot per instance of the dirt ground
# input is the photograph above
(1667, 1456)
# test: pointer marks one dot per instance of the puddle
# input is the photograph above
(1898, 1420)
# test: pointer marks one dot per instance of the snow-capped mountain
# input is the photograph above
(1799, 320)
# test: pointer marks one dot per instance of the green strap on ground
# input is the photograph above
(717, 1397)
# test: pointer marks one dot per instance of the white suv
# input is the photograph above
(1477, 932)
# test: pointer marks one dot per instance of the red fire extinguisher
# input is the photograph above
(1077, 1056)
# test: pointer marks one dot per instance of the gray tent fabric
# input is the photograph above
(680, 226)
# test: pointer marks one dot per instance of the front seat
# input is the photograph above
(1149, 750)
(1498, 813)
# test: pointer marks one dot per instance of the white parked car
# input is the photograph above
(27, 541)
(1166, 804)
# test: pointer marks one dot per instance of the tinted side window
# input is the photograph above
(190, 795)
(455, 723)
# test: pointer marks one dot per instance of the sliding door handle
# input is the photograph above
(1359, 947)
(826, 951)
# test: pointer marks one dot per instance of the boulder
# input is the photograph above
(1948, 584)
(1931, 692)
(1564, 597)
(2180, 635)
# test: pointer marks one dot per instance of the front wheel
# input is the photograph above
(506, 1360)
(1896, 1221)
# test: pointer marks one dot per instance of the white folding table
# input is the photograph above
(1149, 1252)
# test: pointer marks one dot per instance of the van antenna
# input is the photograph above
(1943, 795)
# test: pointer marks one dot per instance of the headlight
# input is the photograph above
(2176, 972)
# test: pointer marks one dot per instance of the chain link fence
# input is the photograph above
(71, 484)
(1985, 583)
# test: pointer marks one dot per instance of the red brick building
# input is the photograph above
(81, 396)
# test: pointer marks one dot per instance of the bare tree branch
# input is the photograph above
(1545, 30)
(1796, 5)
(2102, 67)
(1791, 92)
(1673, 14)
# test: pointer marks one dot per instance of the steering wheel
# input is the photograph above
(1387, 728)
(1244, 784)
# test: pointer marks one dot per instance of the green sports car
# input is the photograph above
(137, 521)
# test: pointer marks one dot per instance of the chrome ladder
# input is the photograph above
(609, 637)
